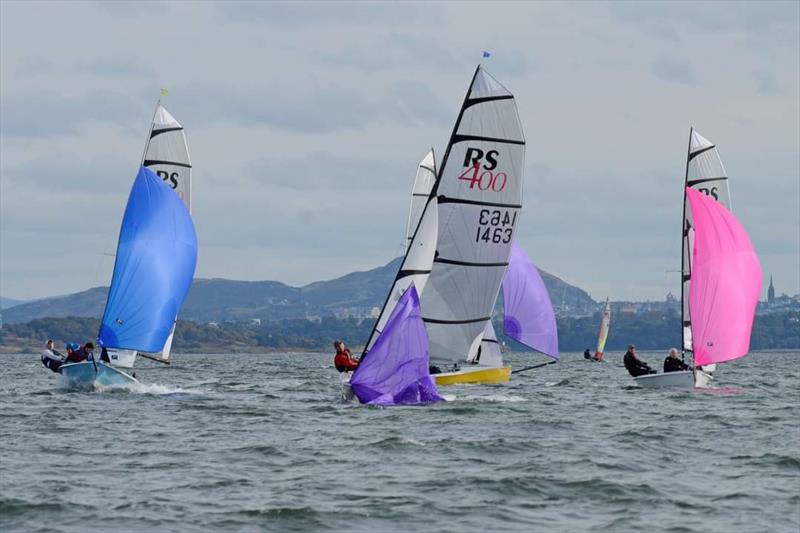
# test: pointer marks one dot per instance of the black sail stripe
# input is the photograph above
(457, 138)
(447, 200)
(467, 263)
(406, 273)
(490, 340)
(419, 194)
(701, 151)
(690, 183)
(469, 321)
(428, 168)
(164, 130)
(150, 162)
(483, 99)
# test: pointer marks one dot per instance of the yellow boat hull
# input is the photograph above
(500, 374)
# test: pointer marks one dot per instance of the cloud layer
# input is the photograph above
(306, 121)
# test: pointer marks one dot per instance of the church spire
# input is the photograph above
(770, 291)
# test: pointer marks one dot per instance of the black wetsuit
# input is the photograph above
(636, 367)
(587, 354)
(673, 364)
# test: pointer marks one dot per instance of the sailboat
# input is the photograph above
(155, 262)
(459, 251)
(721, 274)
(166, 153)
(602, 335)
(395, 371)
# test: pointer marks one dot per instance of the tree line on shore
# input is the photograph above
(648, 331)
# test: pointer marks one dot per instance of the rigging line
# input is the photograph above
(532, 367)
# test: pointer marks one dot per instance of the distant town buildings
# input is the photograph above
(776, 304)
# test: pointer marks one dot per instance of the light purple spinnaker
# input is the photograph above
(395, 371)
(529, 316)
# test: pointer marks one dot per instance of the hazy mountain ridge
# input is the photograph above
(220, 300)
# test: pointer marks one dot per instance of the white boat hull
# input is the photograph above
(93, 376)
(686, 379)
(347, 390)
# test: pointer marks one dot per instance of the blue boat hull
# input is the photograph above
(91, 376)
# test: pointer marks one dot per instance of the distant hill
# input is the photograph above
(8, 303)
(220, 300)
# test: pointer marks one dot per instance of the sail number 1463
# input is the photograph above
(495, 226)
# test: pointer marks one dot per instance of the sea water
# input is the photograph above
(263, 443)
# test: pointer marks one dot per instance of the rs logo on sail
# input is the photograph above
(171, 177)
(483, 176)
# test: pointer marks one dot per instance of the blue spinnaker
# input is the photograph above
(529, 316)
(395, 371)
(156, 257)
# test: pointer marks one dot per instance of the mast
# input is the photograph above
(684, 244)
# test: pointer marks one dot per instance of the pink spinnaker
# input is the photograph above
(725, 283)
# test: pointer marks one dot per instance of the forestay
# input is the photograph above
(155, 262)
(396, 370)
(704, 173)
(529, 316)
(726, 282)
(479, 193)
(423, 184)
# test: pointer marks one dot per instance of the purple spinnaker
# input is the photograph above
(395, 371)
(529, 316)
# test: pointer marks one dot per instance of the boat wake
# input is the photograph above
(152, 389)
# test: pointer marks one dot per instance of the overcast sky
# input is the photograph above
(306, 121)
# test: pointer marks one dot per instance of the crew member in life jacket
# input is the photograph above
(343, 360)
(587, 354)
(635, 366)
(79, 355)
(51, 358)
(672, 363)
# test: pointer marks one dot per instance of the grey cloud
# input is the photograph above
(115, 67)
(47, 114)
(672, 71)
(294, 14)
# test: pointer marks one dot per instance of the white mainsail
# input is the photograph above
(479, 194)
(704, 172)
(167, 154)
(423, 183)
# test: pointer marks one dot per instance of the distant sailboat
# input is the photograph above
(166, 153)
(155, 262)
(602, 335)
(721, 274)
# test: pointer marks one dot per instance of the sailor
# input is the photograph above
(344, 360)
(587, 354)
(635, 366)
(81, 354)
(672, 363)
(51, 358)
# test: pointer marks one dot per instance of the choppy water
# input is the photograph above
(245, 443)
